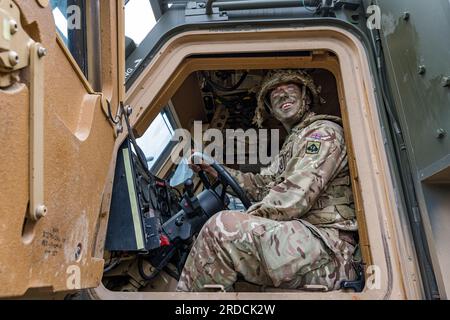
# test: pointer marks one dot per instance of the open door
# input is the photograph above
(59, 71)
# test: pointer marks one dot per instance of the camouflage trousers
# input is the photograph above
(290, 255)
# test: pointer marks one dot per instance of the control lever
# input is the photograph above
(189, 187)
(190, 202)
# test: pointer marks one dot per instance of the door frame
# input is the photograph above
(386, 235)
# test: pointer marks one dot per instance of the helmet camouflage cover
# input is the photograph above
(277, 77)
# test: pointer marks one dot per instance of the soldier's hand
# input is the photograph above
(203, 166)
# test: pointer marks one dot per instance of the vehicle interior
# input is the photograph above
(158, 206)
(173, 203)
(150, 230)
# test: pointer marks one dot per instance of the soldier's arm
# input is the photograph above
(307, 175)
(254, 184)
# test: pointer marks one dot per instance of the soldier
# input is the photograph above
(301, 230)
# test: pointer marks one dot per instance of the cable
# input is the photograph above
(112, 265)
(222, 88)
(152, 195)
(178, 192)
(169, 254)
(139, 154)
(110, 113)
(309, 9)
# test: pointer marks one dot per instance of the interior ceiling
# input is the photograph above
(195, 101)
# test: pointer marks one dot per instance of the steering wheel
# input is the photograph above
(225, 179)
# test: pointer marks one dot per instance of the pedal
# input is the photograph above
(356, 285)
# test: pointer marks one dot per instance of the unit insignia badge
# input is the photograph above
(313, 147)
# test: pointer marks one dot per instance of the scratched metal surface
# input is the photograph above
(422, 101)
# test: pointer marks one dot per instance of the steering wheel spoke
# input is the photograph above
(216, 184)
(205, 180)
(224, 192)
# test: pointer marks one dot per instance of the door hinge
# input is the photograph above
(18, 51)
(15, 44)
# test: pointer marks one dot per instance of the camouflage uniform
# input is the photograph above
(299, 232)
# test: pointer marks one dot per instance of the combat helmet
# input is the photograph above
(277, 77)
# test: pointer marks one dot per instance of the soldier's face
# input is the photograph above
(286, 102)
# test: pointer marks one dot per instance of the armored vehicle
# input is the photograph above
(93, 92)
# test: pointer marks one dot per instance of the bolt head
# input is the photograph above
(422, 70)
(119, 129)
(129, 111)
(41, 212)
(14, 27)
(406, 16)
(441, 133)
(42, 52)
(13, 58)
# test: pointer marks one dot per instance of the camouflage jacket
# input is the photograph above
(308, 180)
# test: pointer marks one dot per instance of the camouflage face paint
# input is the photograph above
(288, 103)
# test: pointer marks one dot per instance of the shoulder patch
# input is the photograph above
(316, 136)
(322, 136)
(313, 147)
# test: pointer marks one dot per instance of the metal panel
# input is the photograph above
(417, 51)
(424, 103)
(438, 202)
(175, 21)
